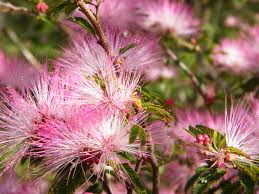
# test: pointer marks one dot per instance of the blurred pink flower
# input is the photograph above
(11, 184)
(235, 55)
(15, 72)
(156, 72)
(175, 177)
(168, 16)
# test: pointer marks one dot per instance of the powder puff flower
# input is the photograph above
(96, 145)
(97, 79)
(168, 16)
(234, 55)
(14, 67)
(237, 144)
(21, 115)
(88, 56)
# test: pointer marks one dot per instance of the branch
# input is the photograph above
(155, 171)
(26, 53)
(95, 21)
(8, 7)
(188, 72)
(106, 184)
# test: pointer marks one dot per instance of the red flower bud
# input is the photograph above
(42, 7)
(199, 137)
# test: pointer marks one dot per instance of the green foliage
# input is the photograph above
(158, 111)
(247, 183)
(206, 180)
(137, 183)
(68, 182)
(129, 157)
(84, 23)
(249, 169)
(134, 133)
(218, 140)
(126, 48)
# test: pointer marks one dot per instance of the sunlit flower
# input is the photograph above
(168, 16)
(22, 115)
(94, 144)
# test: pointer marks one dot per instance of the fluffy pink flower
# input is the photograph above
(22, 114)
(168, 16)
(240, 130)
(94, 144)
(235, 55)
(11, 68)
(99, 80)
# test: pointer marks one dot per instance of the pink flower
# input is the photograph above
(98, 80)
(118, 13)
(235, 55)
(240, 133)
(94, 144)
(240, 130)
(168, 16)
(22, 115)
(11, 68)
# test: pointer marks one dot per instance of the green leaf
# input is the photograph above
(247, 183)
(134, 133)
(57, 9)
(84, 23)
(137, 183)
(237, 152)
(129, 157)
(126, 48)
(207, 179)
(249, 169)
(70, 8)
(158, 111)
(195, 177)
(95, 188)
(68, 186)
(231, 188)
(142, 136)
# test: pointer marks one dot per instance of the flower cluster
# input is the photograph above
(83, 112)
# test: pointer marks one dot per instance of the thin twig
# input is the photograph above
(188, 72)
(155, 171)
(106, 184)
(6, 7)
(95, 21)
(26, 53)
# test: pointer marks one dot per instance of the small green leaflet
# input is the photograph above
(137, 183)
(126, 48)
(84, 23)
(138, 131)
